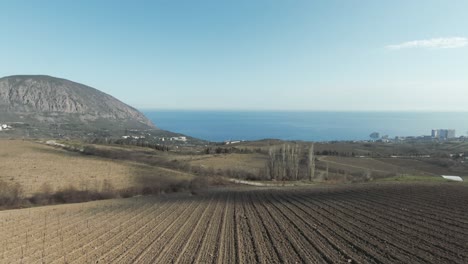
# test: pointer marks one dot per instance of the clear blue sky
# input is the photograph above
(271, 54)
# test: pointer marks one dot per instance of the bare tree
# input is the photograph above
(271, 163)
(295, 161)
(283, 162)
(327, 172)
(311, 162)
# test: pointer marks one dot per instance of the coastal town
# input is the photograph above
(438, 135)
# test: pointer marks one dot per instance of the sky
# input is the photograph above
(348, 55)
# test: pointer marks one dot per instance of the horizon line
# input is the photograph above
(300, 110)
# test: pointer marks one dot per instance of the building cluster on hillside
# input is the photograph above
(230, 142)
(133, 137)
(180, 138)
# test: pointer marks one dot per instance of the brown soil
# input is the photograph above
(367, 223)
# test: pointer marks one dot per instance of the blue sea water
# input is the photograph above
(310, 126)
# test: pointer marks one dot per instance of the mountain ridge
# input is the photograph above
(46, 99)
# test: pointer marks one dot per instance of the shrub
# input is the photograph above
(197, 184)
(11, 194)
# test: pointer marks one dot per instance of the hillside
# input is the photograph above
(49, 102)
(33, 166)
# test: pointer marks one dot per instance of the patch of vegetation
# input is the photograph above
(12, 195)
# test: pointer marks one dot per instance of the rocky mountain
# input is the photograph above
(46, 100)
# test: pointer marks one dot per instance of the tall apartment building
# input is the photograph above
(443, 134)
(450, 133)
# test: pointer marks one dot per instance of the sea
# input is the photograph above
(218, 126)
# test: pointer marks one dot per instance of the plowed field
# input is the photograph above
(385, 223)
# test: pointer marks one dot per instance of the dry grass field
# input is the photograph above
(365, 223)
(425, 167)
(34, 165)
(249, 162)
(362, 164)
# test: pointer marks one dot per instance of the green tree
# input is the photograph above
(374, 135)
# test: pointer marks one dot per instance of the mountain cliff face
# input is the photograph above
(47, 99)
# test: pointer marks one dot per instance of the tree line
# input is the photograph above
(291, 162)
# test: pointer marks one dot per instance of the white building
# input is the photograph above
(179, 139)
(4, 127)
(443, 134)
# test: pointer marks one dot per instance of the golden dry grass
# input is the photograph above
(359, 164)
(32, 165)
(246, 162)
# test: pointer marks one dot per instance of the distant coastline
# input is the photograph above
(225, 125)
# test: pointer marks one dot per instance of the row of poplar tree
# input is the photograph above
(291, 162)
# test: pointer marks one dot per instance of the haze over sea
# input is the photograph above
(310, 126)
